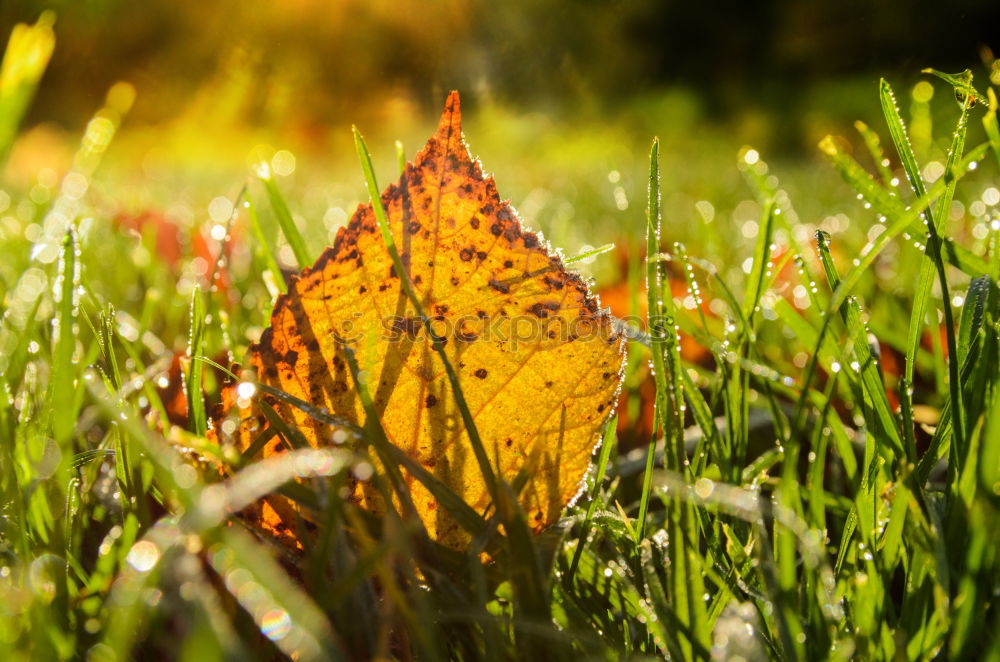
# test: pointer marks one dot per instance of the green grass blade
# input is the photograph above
(292, 436)
(865, 362)
(647, 483)
(24, 62)
(400, 157)
(935, 225)
(891, 208)
(607, 443)
(600, 250)
(376, 434)
(880, 198)
(989, 448)
(962, 82)
(761, 258)
(897, 131)
(63, 383)
(973, 315)
(196, 334)
(286, 222)
(874, 146)
(263, 249)
(990, 124)
(654, 288)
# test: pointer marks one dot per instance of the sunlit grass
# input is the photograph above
(822, 480)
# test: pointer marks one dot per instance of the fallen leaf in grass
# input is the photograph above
(539, 364)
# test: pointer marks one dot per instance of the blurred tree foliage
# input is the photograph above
(308, 61)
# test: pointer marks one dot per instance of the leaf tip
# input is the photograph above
(451, 118)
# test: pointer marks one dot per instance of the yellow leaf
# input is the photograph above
(539, 364)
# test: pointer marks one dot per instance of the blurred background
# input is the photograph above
(305, 63)
(779, 75)
(561, 98)
(300, 66)
(561, 101)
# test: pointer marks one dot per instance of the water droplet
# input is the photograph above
(143, 555)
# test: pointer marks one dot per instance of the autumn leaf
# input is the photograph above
(539, 364)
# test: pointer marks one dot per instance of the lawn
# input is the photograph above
(803, 460)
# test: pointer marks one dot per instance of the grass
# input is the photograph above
(823, 482)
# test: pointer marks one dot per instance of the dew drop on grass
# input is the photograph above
(275, 624)
(143, 555)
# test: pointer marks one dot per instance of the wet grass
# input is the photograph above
(821, 480)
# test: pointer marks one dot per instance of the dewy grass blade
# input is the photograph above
(943, 431)
(900, 138)
(881, 200)
(195, 399)
(897, 227)
(935, 226)
(974, 310)
(600, 250)
(165, 460)
(865, 361)
(889, 208)
(962, 82)
(63, 384)
(654, 287)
